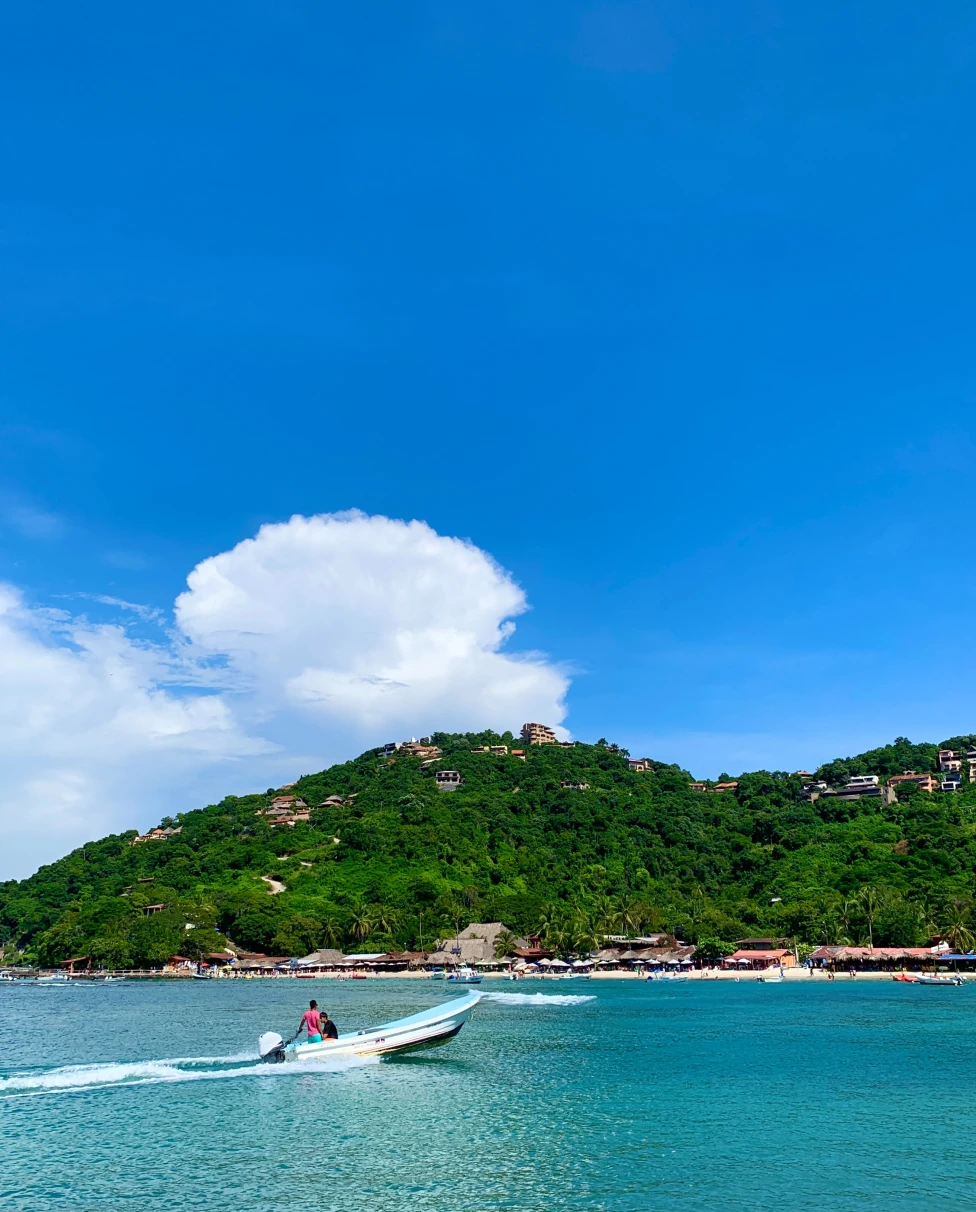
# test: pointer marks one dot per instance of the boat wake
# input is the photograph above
(78, 1078)
(538, 999)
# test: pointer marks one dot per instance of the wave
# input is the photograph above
(111, 1075)
(539, 999)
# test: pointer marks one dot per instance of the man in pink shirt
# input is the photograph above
(312, 1023)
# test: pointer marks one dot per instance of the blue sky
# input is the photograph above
(666, 307)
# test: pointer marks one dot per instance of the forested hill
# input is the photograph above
(632, 850)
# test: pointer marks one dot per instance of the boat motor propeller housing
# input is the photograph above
(271, 1048)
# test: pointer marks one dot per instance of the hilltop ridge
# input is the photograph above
(373, 853)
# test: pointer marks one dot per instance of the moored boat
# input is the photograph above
(464, 976)
(426, 1029)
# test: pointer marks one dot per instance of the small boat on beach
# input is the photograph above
(928, 978)
(426, 1029)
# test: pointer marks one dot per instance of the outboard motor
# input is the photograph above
(271, 1048)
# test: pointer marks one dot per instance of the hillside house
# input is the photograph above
(952, 782)
(950, 761)
(156, 835)
(288, 803)
(418, 749)
(499, 750)
(971, 762)
(925, 781)
(569, 786)
(538, 734)
(733, 785)
(697, 786)
(640, 765)
(519, 753)
(448, 780)
(482, 749)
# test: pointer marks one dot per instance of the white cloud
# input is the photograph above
(316, 638)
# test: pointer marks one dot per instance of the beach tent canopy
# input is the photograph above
(545, 963)
(743, 961)
(557, 963)
(687, 961)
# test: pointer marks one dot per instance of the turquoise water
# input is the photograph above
(694, 1096)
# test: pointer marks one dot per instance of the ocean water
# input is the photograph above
(619, 1096)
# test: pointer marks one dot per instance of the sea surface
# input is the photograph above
(618, 1096)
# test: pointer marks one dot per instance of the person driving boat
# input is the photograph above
(312, 1023)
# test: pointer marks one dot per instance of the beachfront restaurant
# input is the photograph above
(759, 961)
(877, 959)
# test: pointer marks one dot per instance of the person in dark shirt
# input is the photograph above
(328, 1027)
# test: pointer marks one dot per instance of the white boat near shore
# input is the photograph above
(426, 1029)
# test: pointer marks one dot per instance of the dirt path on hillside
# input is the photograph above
(274, 886)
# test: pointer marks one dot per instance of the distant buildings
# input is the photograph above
(156, 835)
(413, 746)
(569, 786)
(639, 765)
(950, 761)
(927, 782)
(448, 780)
(538, 734)
(285, 810)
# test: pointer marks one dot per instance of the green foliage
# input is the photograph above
(635, 852)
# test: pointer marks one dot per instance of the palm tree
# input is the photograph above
(360, 923)
(956, 930)
(604, 914)
(331, 932)
(549, 918)
(629, 913)
(505, 943)
(384, 918)
(846, 913)
(871, 900)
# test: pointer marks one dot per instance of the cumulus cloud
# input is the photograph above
(369, 623)
(317, 638)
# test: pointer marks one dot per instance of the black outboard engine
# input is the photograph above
(271, 1048)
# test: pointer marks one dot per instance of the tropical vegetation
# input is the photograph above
(390, 862)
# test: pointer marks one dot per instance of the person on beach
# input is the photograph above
(312, 1023)
(329, 1030)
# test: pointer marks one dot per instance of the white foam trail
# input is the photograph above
(76, 1078)
(538, 999)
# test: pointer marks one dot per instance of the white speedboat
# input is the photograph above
(464, 976)
(427, 1029)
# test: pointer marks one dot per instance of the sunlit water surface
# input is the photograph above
(638, 1096)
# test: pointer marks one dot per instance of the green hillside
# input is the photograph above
(633, 851)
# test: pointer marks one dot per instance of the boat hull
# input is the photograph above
(428, 1029)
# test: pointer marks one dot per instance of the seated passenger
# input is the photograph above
(328, 1027)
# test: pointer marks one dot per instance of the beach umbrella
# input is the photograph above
(558, 963)
(687, 961)
(545, 963)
